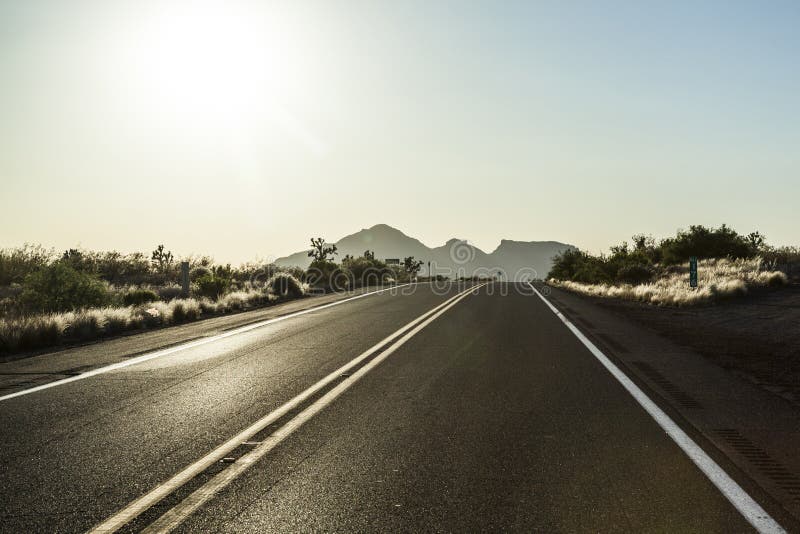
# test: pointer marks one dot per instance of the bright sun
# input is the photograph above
(214, 60)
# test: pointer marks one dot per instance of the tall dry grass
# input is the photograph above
(44, 330)
(717, 279)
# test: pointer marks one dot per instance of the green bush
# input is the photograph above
(170, 292)
(702, 242)
(139, 296)
(566, 264)
(199, 272)
(88, 324)
(636, 266)
(30, 333)
(185, 310)
(591, 272)
(322, 274)
(212, 286)
(18, 263)
(284, 284)
(366, 270)
(59, 287)
(635, 273)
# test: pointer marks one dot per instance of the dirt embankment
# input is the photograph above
(757, 336)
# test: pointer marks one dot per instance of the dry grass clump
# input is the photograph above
(285, 285)
(185, 310)
(37, 331)
(717, 279)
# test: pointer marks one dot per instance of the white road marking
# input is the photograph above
(183, 509)
(738, 497)
(189, 345)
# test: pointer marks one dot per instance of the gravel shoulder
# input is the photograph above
(756, 336)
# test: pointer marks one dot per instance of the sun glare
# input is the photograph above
(213, 60)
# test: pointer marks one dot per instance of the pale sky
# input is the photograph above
(240, 129)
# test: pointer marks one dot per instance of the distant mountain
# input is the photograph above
(454, 258)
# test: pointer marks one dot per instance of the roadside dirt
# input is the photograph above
(756, 336)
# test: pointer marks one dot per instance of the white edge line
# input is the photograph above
(136, 507)
(179, 513)
(189, 345)
(738, 497)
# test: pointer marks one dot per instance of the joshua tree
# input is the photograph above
(320, 251)
(412, 266)
(161, 259)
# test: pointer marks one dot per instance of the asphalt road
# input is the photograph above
(492, 416)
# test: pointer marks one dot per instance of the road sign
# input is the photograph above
(693, 271)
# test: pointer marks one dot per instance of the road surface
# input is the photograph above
(488, 413)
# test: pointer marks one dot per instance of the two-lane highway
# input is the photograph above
(474, 412)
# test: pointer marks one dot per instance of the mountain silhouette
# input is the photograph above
(514, 259)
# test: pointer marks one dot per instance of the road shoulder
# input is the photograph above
(756, 433)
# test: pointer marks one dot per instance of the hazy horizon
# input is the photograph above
(240, 129)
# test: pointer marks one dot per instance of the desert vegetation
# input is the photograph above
(324, 274)
(48, 298)
(658, 273)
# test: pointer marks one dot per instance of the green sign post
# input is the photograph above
(693, 271)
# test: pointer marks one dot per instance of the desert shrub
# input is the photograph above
(117, 319)
(366, 270)
(718, 279)
(240, 300)
(41, 331)
(59, 287)
(786, 259)
(153, 314)
(198, 272)
(212, 286)
(702, 242)
(207, 305)
(170, 292)
(635, 265)
(117, 268)
(634, 273)
(256, 273)
(139, 296)
(234, 301)
(185, 310)
(574, 264)
(17, 263)
(8, 307)
(775, 278)
(591, 272)
(322, 274)
(566, 264)
(781, 255)
(87, 324)
(27, 333)
(285, 285)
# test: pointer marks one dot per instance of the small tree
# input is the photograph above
(756, 241)
(320, 251)
(412, 266)
(369, 254)
(161, 259)
(58, 287)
